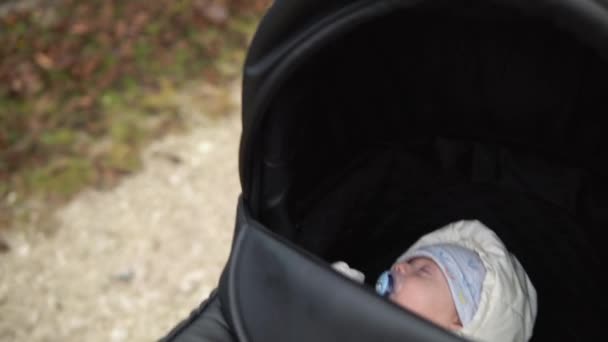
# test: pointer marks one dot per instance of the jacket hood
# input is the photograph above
(508, 304)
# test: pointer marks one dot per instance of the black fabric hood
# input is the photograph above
(294, 31)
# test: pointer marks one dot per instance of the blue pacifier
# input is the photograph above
(385, 284)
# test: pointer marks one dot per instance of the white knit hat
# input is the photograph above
(463, 270)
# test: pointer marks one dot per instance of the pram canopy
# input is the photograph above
(369, 123)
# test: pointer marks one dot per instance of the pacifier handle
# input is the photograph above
(385, 284)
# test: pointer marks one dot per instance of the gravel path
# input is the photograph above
(129, 264)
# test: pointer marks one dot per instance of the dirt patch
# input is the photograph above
(129, 264)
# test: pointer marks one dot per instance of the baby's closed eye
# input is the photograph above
(426, 270)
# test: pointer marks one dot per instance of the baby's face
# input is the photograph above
(420, 286)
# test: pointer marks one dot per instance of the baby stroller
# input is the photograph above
(368, 123)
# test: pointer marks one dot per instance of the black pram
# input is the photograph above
(369, 123)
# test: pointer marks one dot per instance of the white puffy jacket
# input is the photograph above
(508, 304)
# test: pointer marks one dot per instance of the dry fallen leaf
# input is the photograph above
(120, 29)
(79, 28)
(44, 61)
(85, 101)
(215, 12)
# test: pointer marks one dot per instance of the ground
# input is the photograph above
(128, 264)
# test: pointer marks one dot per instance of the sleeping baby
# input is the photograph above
(462, 278)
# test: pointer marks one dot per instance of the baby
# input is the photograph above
(462, 278)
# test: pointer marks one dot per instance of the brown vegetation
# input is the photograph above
(82, 85)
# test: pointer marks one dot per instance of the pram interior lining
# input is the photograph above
(429, 116)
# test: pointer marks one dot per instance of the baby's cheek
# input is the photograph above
(399, 298)
(408, 300)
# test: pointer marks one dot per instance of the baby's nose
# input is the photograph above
(401, 268)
